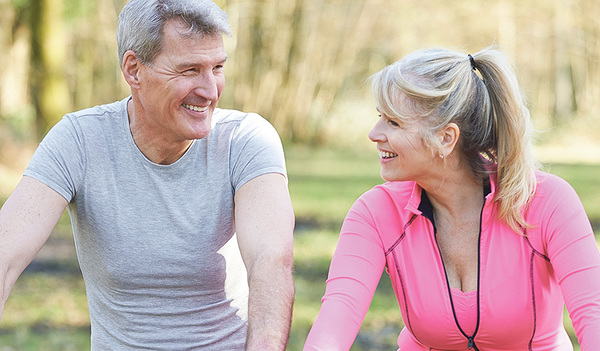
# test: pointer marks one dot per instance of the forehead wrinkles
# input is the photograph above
(177, 33)
(189, 48)
(184, 29)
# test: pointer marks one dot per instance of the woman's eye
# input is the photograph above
(393, 123)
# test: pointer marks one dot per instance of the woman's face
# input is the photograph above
(403, 153)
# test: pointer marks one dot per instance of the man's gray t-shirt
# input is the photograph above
(156, 243)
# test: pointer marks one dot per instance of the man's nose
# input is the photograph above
(207, 87)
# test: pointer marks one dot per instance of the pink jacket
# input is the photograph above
(522, 279)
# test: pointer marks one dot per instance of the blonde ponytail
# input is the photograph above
(479, 93)
(516, 165)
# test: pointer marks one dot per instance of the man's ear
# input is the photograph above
(131, 69)
(448, 138)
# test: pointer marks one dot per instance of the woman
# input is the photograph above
(482, 249)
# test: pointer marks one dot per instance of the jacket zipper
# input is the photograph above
(471, 345)
(470, 339)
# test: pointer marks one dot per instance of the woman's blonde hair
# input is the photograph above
(479, 93)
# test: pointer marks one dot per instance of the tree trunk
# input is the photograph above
(564, 102)
(47, 80)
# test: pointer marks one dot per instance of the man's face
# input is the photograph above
(179, 91)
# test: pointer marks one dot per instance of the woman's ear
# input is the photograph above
(131, 69)
(448, 138)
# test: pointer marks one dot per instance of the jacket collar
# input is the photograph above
(419, 203)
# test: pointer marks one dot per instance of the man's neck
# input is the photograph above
(152, 144)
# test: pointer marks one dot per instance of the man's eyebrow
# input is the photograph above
(186, 64)
(224, 59)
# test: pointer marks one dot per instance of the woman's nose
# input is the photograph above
(376, 135)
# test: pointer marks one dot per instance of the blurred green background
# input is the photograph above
(303, 65)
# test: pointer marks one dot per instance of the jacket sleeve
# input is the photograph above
(354, 273)
(574, 254)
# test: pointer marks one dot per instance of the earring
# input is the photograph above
(441, 155)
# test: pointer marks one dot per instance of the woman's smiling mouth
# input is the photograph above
(385, 154)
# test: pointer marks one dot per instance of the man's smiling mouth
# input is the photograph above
(195, 108)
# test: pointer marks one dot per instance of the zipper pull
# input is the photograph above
(471, 343)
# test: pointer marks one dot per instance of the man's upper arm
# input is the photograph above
(264, 219)
(26, 221)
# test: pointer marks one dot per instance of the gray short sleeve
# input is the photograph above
(256, 150)
(59, 160)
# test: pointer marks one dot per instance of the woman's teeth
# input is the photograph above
(385, 154)
(195, 108)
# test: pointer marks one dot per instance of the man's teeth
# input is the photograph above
(195, 108)
(385, 154)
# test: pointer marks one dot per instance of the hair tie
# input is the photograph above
(473, 66)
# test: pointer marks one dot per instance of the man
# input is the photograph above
(181, 215)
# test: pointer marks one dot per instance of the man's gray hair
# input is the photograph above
(141, 24)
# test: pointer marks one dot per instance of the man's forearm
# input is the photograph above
(8, 277)
(270, 306)
(5, 287)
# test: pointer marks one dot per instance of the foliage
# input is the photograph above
(298, 61)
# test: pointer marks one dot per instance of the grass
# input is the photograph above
(323, 185)
(48, 310)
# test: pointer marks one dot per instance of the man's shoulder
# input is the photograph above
(90, 123)
(223, 116)
(241, 123)
(117, 108)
